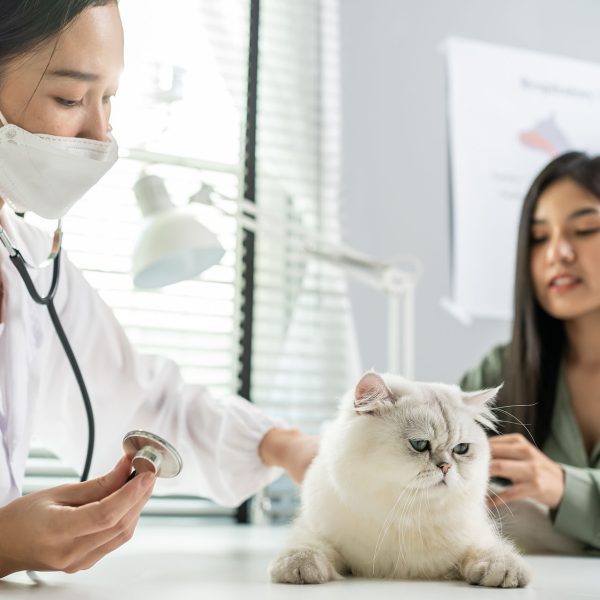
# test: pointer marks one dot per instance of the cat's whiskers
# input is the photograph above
(512, 422)
(518, 421)
(500, 519)
(462, 485)
(420, 515)
(512, 405)
(402, 530)
(496, 519)
(496, 523)
(388, 523)
(386, 526)
(503, 502)
(427, 502)
(426, 507)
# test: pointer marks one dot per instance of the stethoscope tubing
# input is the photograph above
(48, 301)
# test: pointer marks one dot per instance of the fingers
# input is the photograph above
(41, 533)
(533, 474)
(508, 438)
(511, 439)
(515, 470)
(108, 512)
(512, 446)
(93, 557)
(510, 494)
(78, 494)
(91, 548)
(307, 449)
(507, 452)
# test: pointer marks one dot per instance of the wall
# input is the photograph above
(395, 179)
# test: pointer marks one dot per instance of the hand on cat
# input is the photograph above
(533, 474)
(71, 527)
(289, 448)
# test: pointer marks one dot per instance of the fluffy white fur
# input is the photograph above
(373, 506)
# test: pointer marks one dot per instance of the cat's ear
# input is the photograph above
(372, 394)
(481, 403)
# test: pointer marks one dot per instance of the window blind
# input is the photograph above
(179, 114)
(304, 350)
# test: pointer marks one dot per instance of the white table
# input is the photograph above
(228, 562)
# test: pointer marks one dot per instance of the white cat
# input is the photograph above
(398, 491)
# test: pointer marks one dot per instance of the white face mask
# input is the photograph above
(46, 174)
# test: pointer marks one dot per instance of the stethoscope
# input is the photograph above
(148, 451)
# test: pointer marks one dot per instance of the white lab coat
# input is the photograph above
(217, 439)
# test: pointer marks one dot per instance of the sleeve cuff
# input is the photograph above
(243, 472)
(579, 512)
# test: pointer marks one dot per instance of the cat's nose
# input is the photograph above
(444, 466)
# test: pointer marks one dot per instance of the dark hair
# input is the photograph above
(538, 340)
(26, 24)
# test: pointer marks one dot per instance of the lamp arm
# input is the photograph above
(252, 217)
(398, 284)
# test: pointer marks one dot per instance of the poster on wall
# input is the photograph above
(510, 111)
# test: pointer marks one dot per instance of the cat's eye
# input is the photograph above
(460, 449)
(419, 445)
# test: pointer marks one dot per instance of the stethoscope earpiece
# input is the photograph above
(150, 452)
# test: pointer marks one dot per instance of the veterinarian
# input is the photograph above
(60, 63)
(551, 367)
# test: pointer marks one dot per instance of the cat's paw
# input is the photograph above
(499, 569)
(302, 566)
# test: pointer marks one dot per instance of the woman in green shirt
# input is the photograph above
(551, 367)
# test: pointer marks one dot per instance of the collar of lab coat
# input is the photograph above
(34, 244)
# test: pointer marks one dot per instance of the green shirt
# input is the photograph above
(578, 515)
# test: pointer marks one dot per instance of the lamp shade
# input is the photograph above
(173, 245)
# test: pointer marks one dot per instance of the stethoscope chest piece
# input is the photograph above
(149, 452)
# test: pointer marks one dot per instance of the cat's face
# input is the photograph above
(417, 435)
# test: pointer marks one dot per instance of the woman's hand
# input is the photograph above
(532, 473)
(289, 448)
(71, 527)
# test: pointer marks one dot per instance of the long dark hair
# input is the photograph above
(26, 24)
(538, 339)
